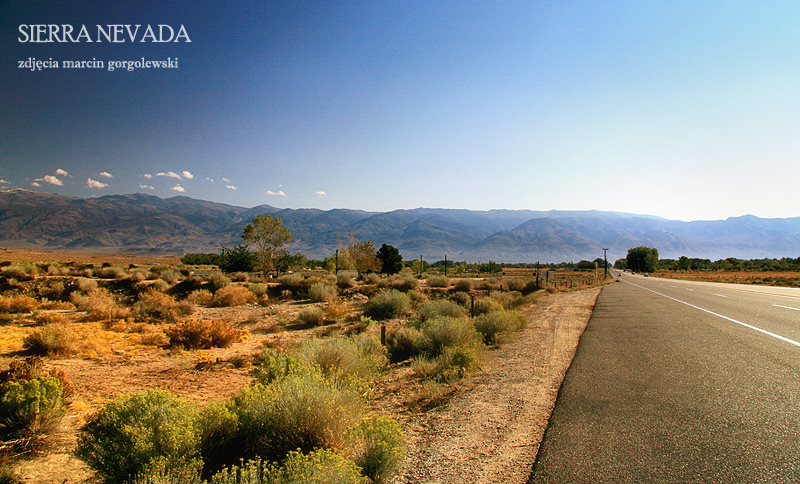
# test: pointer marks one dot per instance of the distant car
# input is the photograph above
(646, 275)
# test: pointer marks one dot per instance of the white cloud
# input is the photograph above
(51, 180)
(321, 193)
(36, 184)
(187, 175)
(210, 179)
(178, 188)
(230, 187)
(106, 174)
(62, 172)
(5, 181)
(148, 187)
(226, 180)
(148, 176)
(95, 184)
(279, 193)
(170, 174)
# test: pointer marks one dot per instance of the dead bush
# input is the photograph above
(201, 297)
(99, 305)
(232, 296)
(159, 307)
(203, 334)
(42, 319)
(337, 310)
(18, 304)
(55, 339)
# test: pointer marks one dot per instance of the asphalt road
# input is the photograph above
(684, 382)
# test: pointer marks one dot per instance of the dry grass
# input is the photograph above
(769, 278)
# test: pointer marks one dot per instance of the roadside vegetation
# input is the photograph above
(315, 350)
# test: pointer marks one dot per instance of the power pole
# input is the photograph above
(445, 265)
(605, 264)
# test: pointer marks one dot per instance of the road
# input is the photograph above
(677, 381)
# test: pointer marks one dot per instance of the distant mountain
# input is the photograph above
(139, 223)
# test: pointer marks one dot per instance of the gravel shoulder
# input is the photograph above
(491, 433)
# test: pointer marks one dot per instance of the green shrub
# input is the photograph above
(22, 271)
(219, 280)
(387, 304)
(259, 290)
(443, 332)
(321, 291)
(272, 365)
(402, 344)
(487, 305)
(494, 324)
(292, 280)
(29, 408)
(302, 410)
(462, 285)
(453, 364)
(320, 466)
(203, 334)
(55, 339)
(439, 307)
(504, 298)
(378, 447)
(160, 285)
(361, 356)
(346, 279)
(159, 307)
(311, 316)
(138, 432)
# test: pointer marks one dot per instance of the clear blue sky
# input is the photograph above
(682, 109)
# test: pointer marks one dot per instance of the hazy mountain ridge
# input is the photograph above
(146, 223)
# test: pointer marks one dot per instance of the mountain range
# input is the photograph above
(140, 223)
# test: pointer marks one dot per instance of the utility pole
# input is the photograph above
(337, 263)
(605, 264)
(445, 265)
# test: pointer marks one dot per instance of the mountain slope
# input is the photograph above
(145, 223)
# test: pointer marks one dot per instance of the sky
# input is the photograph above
(681, 109)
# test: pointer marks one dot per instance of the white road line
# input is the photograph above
(721, 295)
(787, 340)
(690, 290)
(786, 307)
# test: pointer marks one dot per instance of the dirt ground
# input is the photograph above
(491, 432)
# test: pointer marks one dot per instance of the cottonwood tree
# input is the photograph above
(642, 259)
(362, 255)
(267, 236)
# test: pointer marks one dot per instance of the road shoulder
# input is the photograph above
(492, 433)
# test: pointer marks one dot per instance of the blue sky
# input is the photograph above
(686, 110)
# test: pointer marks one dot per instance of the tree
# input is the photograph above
(237, 259)
(362, 255)
(391, 260)
(642, 259)
(621, 264)
(267, 235)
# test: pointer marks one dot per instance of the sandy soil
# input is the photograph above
(491, 433)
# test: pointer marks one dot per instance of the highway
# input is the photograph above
(677, 381)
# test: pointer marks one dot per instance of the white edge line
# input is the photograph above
(786, 307)
(787, 340)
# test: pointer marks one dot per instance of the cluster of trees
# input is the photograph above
(645, 259)
(263, 250)
(730, 264)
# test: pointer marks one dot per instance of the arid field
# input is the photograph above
(112, 325)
